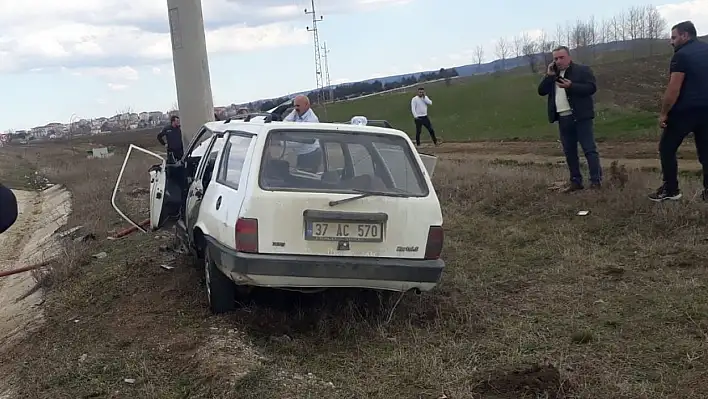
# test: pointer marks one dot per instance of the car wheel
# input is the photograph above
(220, 290)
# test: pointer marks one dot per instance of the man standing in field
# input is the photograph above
(173, 134)
(570, 88)
(419, 108)
(8, 208)
(684, 109)
(309, 156)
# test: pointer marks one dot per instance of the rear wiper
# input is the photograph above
(367, 193)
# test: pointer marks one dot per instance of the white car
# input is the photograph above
(365, 215)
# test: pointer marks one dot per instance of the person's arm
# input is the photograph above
(161, 136)
(677, 71)
(413, 107)
(427, 100)
(8, 208)
(546, 85)
(290, 117)
(586, 86)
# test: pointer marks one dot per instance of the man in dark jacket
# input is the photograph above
(570, 88)
(8, 208)
(684, 109)
(173, 134)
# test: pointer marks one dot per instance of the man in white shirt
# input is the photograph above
(309, 156)
(419, 108)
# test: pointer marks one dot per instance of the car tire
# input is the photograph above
(220, 290)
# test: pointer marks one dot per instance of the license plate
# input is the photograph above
(335, 231)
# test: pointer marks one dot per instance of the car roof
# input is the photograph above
(261, 127)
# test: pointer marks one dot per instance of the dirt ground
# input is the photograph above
(535, 301)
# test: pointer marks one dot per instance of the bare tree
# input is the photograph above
(502, 51)
(633, 25)
(545, 47)
(560, 35)
(479, 54)
(529, 49)
(519, 44)
(604, 34)
(656, 27)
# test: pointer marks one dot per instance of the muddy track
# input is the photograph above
(636, 155)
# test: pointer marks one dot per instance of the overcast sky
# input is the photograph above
(98, 57)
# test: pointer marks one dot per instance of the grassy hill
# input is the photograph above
(506, 105)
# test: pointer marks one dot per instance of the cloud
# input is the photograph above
(117, 86)
(696, 11)
(45, 34)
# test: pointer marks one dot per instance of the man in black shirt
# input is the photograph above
(173, 134)
(684, 109)
(8, 208)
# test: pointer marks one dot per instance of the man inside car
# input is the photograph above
(309, 156)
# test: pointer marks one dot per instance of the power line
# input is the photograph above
(318, 57)
(328, 82)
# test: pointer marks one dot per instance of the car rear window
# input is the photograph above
(340, 161)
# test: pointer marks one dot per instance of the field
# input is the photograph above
(536, 301)
(507, 106)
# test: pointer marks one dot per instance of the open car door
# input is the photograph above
(167, 183)
(157, 190)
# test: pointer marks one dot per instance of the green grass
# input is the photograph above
(494, 107)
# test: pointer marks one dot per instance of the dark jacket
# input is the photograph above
(174, 139)
(691, 59)
(580, 94)
(8, 208)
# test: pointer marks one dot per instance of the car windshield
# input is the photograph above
(340, 161)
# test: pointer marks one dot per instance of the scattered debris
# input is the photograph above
(100, 255)
(167, 267)
(101, 152)
(129, 380)
(83, 358)
(583, 213)
(129, 230)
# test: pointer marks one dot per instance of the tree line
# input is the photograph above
(639, 30)
(357, 89)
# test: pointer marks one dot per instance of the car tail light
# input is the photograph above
(247, 235)
(434, 247)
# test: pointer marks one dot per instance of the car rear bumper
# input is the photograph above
(303, 271)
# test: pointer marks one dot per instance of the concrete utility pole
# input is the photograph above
(191, 64)
(318, 58)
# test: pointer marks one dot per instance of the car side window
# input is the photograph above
(234, 159)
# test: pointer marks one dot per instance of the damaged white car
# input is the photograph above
(301, 206)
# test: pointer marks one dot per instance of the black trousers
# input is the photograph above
(8, 208)
(678, 126)
(419, 123)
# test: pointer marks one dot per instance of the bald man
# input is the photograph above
(309, 156)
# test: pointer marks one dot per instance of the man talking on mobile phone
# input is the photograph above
(684, 109)
(570, 88)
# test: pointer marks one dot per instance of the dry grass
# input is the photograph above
(536, 302)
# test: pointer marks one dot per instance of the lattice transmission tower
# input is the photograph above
(318, 57)
(327, 80)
